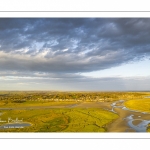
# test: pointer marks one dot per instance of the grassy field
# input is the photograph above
(148, 129)
(142, 105)
(35, 108)
(61, 120)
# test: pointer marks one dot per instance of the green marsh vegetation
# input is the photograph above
(142, 105)
(61, 120)
(65, 118)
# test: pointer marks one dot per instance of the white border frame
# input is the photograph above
(74, 14)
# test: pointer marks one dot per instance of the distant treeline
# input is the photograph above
(80, 96)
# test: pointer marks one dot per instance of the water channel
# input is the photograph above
(135, 121)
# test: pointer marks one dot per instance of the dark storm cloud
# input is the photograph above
(71, 45)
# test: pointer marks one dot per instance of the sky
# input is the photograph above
(75, 54)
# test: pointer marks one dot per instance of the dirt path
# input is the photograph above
(41, 107)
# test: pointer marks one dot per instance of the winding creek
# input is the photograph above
(129, 120)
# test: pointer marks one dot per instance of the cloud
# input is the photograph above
(72, 44)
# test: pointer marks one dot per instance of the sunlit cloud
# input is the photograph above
(75, 53)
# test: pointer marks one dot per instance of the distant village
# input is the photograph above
(20, 97)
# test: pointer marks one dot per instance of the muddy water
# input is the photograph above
(129, 120)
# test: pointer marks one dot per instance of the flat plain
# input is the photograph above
(55, 111)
